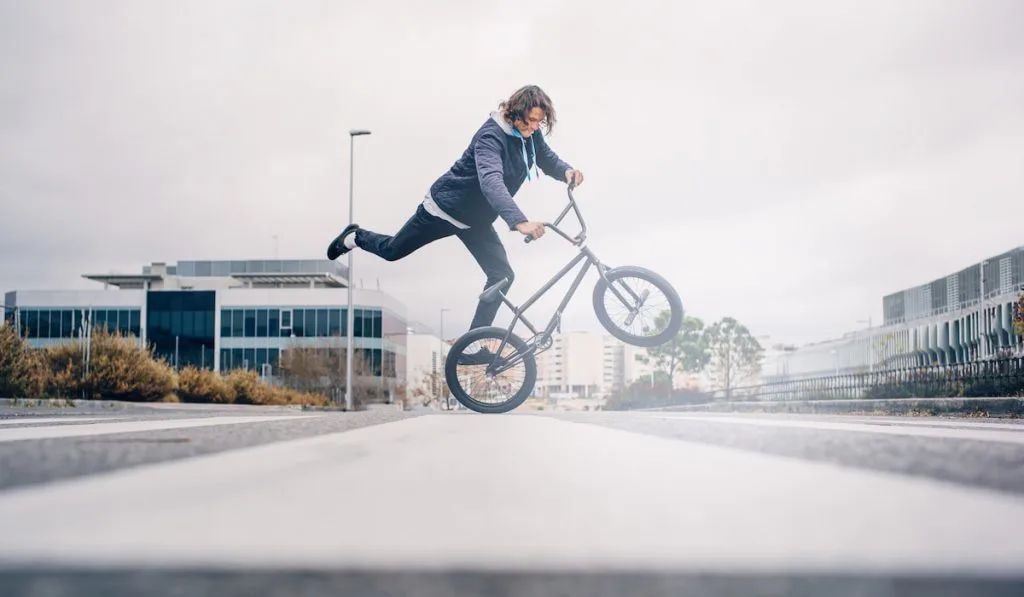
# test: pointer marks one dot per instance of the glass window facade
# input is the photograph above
(960, 290)
(299, 322)
(249, 358)
(180, 326)
(382, 362)
(47, 323)
(270, 330)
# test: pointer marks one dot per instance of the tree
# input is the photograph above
(735, 353)
(687, 351)
(322, 367)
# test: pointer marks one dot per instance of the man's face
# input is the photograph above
(534, 118)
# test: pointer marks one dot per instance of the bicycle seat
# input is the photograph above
(492, 291)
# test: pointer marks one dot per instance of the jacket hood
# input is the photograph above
(505, 126)
(511, 132)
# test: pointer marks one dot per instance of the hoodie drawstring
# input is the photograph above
(526, 159)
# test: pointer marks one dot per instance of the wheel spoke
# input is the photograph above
(485, 388)
(646, 309)
(639, 320)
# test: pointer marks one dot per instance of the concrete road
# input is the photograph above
(183, 501)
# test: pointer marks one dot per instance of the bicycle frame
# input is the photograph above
(585, 255)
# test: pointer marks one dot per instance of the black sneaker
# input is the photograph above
(480, 357)
(337, 247)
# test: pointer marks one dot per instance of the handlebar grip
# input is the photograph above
(528, 239)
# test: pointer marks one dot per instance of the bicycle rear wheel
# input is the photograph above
(657, 324)
(495, 385)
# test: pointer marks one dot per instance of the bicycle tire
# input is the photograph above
(675, 321)
(452, 378)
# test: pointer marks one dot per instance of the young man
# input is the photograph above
(466, 200)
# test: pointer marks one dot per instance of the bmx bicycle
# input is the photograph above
(497, 365)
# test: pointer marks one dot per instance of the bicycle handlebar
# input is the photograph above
(554, 226)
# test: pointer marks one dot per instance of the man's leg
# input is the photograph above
(485, 246)
(419, 230)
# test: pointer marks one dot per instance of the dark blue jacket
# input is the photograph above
(479, 186)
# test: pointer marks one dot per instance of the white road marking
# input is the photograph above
(915, 422)
(24, 433)
(1004, 433)
(511, 491)
(66, 419)
(936, 422)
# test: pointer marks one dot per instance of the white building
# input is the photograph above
(223, 315)
(963, 317)
(424, 366)
(588, 365)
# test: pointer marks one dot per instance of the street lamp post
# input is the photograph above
(440, 362)
(352, 134)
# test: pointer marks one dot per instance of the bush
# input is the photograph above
(203, 385)
(642, 394)
(22, 371)
(248, 390)
(121, 369)
(246, 387)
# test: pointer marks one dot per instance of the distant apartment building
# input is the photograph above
(966, 316)
(590, 365)
(424, 366)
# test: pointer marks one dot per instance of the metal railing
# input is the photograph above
(997, 377)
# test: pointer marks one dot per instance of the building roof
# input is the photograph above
(226, 268)
(325, 279)
(123, 279)
(289, 272)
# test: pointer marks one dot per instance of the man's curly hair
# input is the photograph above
(526, 98)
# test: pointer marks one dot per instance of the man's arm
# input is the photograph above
(487, 152)
(548, 160)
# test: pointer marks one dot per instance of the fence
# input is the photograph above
(997, 377)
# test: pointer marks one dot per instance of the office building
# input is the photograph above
(965, 316)
(224, 315)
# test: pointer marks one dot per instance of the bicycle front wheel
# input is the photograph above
(628, 305)
(495, 383)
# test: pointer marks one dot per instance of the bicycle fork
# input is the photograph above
(640, 299)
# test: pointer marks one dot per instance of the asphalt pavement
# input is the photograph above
(217, 500)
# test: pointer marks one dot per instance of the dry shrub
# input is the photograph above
(65, 374)
(249, 390)
(119, 369)
(23, 373)
(204, 385)
(290, 396)
(246, 386)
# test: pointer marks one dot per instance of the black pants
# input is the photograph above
(423, 228)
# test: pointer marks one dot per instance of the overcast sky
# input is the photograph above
(785, 162)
